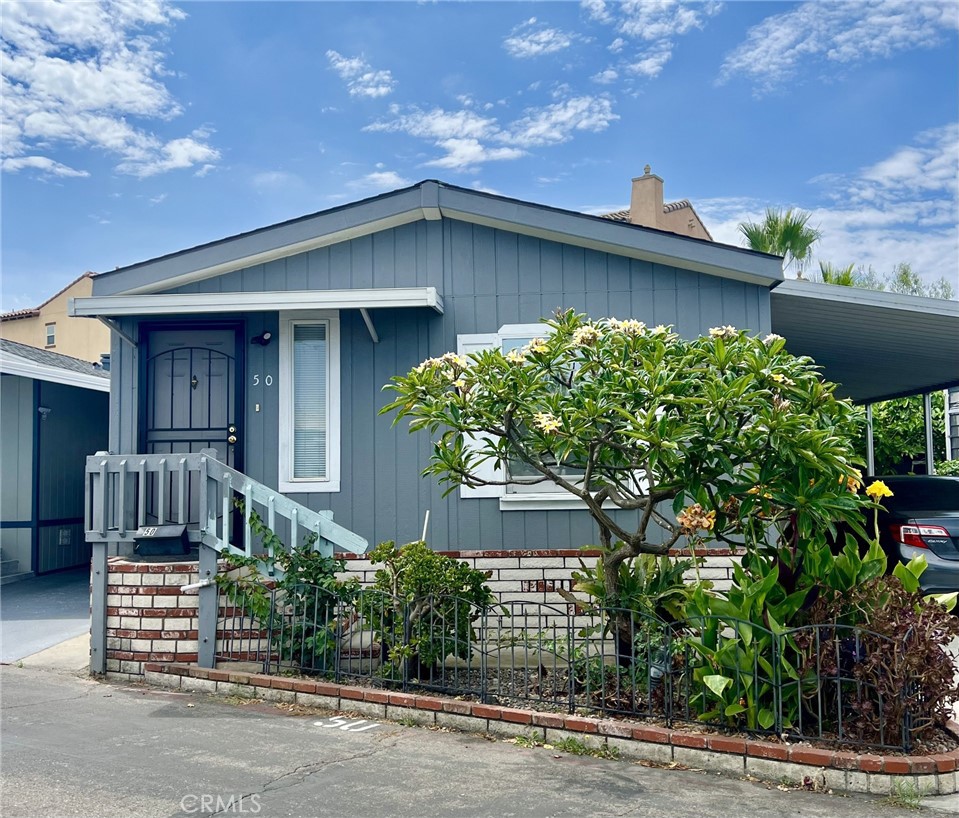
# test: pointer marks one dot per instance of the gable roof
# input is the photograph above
(431, 200)
(44, 365)
(33, 312)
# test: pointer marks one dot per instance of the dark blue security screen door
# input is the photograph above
(192, 400)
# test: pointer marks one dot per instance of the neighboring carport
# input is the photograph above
(875, 345)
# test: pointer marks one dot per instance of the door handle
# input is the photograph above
(231, 439)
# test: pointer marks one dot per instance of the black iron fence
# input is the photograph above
(823, 682)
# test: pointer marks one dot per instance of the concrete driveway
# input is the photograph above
(38, 613)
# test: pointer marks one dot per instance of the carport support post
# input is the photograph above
(870, 451)
(927, 420)
(98, 609)
(207, 613)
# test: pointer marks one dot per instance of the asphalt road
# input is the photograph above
(75, 747)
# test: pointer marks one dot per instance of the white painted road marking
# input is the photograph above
(350, 725)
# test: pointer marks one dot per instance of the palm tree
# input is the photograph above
(783, 233)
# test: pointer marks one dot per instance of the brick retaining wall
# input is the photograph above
(150, 619)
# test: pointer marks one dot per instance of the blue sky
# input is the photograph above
(133, 128)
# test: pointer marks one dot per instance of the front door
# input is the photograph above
(192, 402)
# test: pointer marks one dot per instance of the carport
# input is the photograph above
(875, 345)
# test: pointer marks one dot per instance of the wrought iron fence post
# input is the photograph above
(777, 681)
(269, 633)
(668, 676)
(407, 655)
(571, 674)
(483, 637)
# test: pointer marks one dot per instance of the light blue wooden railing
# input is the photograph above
(128, 492)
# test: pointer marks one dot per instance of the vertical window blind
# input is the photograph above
(311, 376)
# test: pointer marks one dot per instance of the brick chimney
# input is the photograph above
(646, 202)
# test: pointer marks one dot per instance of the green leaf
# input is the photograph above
(766, 718)
(734, 709)
(717, 683)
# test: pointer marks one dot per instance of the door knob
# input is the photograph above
(231, 439)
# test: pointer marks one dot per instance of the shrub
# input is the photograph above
(948, 468)
(422, 607)
(296, 594)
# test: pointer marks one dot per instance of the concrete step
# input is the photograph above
(9, 566)
(6, 579)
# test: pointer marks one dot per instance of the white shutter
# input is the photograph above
(467, 344)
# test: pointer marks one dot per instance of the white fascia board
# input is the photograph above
(862, 297)
(271, 301)
(12, 365)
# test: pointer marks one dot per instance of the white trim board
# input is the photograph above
(273, 300)
(13, 365)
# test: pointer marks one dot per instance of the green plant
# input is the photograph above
(576, 747)
(422, 607)
(906, 794)
(732, 431)
(948, 468)
(527, 741)
(297, 590)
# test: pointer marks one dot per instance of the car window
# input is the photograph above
(940, 495)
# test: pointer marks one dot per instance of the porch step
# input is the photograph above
(8, 566)
(6, 579)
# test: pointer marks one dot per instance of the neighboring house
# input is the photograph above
(647, 208)
(273, 346)
(53, 414)
(50, 327)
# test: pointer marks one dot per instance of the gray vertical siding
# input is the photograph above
(76, 427)
(487, 278)
(17, 418)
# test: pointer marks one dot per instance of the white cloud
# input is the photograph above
(361, 79)
(553, 124)
(75, 73)
(652, 25)
(466, 155)
(835, 33)
(41, 163)
(533, 39)
(468, 139)
(902, 208)
(379, 180)
(606, 76)
(268, 181)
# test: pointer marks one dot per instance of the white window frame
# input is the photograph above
(529, 499)
(287, 483)
(51, 337)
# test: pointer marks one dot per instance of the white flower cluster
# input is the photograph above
(630, 326)
(771, 339)
(449, 360)
(586, 335)
(723, 332)
(546, 422)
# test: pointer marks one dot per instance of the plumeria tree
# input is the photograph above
(722, 437)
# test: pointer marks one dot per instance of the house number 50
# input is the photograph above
(268, 380)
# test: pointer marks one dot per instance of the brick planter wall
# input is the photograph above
(149, 618)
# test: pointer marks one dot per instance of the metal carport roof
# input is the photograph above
(876, 345)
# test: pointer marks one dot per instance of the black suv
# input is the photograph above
(922, 517)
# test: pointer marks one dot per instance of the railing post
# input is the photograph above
(207, 613)
(98, 609)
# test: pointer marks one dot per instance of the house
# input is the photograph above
(647, 208)
(50, 327)
(272, 347)
(53, 414)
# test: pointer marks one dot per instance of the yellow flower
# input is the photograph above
(514, 356)
(853, 481)
(585, 336)
(878, 489)
(537, 345)
(546, 422)
(723, 332)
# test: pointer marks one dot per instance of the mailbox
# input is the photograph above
(161, 540)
